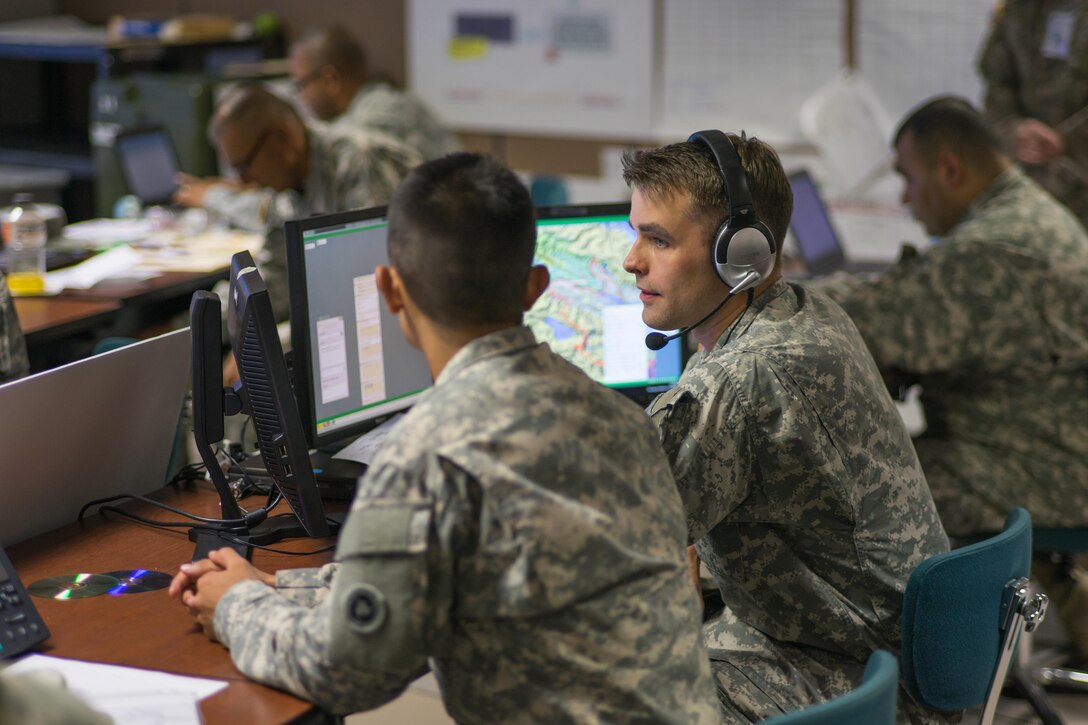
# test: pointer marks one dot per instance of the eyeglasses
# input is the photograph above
(240, 168)
(300, 84)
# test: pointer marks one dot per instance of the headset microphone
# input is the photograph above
(657, 340)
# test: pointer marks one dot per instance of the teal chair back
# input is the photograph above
(963, 612)
(871, 703)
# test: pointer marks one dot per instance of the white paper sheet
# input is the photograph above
(365, 447)
(129, 695)
(117, 262)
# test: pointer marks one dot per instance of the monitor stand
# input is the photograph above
(336, 477)
(270, 531)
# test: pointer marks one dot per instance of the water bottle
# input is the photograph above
(24, 232)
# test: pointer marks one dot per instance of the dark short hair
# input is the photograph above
(335, 46)
(951, 122)
(253, 107)
(462, 235)
(691, 167)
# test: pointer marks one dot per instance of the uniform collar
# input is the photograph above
(503, 342)
(746, 318)
(1010, 178)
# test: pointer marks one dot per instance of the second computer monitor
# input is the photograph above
(352, 365)
(591, 313)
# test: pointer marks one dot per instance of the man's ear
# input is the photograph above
(950, 168)
(391, 288)
(539, 278)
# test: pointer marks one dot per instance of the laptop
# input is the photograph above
(818, 242)
(148, 163)
(98, 427)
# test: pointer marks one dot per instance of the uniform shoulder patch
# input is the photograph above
(367, 609)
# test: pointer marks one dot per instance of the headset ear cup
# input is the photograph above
(740, 251)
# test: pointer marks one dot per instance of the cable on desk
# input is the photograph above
(248, 518)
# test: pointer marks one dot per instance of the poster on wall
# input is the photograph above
(745, 64)
(550, 67)
(913, 51)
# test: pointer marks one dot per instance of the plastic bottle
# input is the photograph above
(24, 232)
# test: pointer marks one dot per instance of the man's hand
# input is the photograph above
(202, 584)
(230, 370)
(693, 570)
(192, 189)
(1036, 143)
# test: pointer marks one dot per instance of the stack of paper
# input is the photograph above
(128, 695)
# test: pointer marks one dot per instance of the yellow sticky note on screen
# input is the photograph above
(469, 46)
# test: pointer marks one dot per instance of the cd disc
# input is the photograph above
(136, 581)
(72, 586)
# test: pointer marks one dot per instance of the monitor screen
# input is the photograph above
(149, 164)
(353, 367)
(591, 313)
(812, 228)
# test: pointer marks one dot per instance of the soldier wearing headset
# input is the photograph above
(803, 494)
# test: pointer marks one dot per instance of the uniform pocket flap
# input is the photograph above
(386, 526)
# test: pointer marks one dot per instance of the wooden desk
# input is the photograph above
(66, 327)
(150, 630)
(44, 319)
(150, 302)
(60, 329)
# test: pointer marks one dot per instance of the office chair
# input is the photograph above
(871, 703)
(963, 613)
(1062, 543)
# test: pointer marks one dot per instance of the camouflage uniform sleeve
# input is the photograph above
(707, 443)
(386, 162)
(307, 587)
(252, 209)
(35, 698)
(13, 358)
(936, 312)
(997, 65)
(388, 606)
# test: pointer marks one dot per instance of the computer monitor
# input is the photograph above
(817, 240)
(353, 368)
(149, 163)
(263, 392)
(591, 313)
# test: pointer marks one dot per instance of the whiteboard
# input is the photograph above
(550, 67)
(911, 51)
(747, 64)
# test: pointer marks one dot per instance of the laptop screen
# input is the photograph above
(149, 164)
(817, 240)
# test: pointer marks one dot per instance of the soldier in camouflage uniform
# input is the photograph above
(804, 496)
(13, 360)
(1035, 64)
(39, 698)
(519, 532)
(300, 170)
(993, 322)
(290, 170)
(331, 77)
